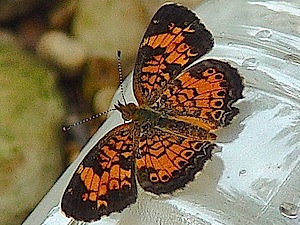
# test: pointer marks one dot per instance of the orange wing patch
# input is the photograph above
(176, 50)
(168, 161)
(155, 72)
(104, 181)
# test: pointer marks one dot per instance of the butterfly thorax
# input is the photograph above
(136, 113)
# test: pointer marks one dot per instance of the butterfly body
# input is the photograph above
(166, 137)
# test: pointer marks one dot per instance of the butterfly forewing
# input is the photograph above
(104, 182)
(174, 39)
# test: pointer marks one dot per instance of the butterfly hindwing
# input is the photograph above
(104, 182)
(168, 161)
(203, 94)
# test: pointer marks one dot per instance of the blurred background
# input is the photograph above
(57, 66)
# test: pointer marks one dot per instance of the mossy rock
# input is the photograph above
(31, 112)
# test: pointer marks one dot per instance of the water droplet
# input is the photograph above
(155, 21)
(250, 63)
(263, 34)
(230, 44)
(289, 210)
(222, 33)
(242, 172)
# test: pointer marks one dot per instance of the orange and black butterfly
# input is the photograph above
(167, 138)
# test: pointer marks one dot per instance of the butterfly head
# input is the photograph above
(127, 110)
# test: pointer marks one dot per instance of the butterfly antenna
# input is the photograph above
(120, 75)
(86, 120)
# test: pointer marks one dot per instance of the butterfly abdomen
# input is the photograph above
(185, 129)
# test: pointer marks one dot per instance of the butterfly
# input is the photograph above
(168, 136)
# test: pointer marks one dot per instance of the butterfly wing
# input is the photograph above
(169, 161)
(191, 102)
(174, 39)
(196, 102)
(203, 95)
(104, 182)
